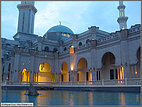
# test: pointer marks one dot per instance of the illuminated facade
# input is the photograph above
(60, 55)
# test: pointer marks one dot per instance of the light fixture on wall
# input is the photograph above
(71, 68)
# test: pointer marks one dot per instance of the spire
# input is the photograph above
(59, 22)
(120, 3)
(26, 17)
(122, 20)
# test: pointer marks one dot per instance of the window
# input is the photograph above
(87, 76)
(80, 43)
(65, 49)
(46, 49)
(55, 50)
(64, 34)
(36, 48)
(98, 75)
(87, 41)
(111, 74)
(68, 35)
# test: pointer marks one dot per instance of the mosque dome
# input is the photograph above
(59, 32)
(61, 28)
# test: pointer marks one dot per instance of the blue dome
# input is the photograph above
(60, 28)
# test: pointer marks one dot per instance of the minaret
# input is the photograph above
(122, 20)
(26, 17)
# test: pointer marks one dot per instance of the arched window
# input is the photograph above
(65, 49)
(46, 49)
(87, 41)
(55, 49)
(80, 44)
(36, 48)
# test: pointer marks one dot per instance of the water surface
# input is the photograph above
(55, 97)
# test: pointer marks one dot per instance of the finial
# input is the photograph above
(60, 22)
(120, 3)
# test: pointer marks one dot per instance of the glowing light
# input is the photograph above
(64, 34)
(44, 67)
(121, 73)
(122, 98)
(68, 35)
(24, 75)
(71, 49)
(72, 68)
(72, 46)
(136, 72)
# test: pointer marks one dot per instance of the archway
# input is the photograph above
(44, 74)
(64, 72)
(109, 70)
(25, 75)
(137, 70)
(8, 75)
(82, 74)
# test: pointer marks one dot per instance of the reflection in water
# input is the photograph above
(122, 97)
(91, 98)
(137, 98)
(71, 100)
(48, 97)
(23, 96)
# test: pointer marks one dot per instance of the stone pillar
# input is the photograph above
(16, 67)
(31, 76)
(56, 68)
(130, 71)
(95, 75)
(118, 72)
(124, 52)
(27, 76)
(72, 75)
(37, 78)
(56, 77)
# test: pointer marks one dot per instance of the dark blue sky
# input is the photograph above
(78, 16)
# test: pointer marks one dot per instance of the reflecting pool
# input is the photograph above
(56, 97)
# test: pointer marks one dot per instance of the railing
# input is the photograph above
(125, 82)
(107, 39)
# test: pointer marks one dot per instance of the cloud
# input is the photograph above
(77, 15)
(69, 13)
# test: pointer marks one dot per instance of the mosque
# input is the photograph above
(60, 55)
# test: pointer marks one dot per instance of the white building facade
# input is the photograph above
(61, 55)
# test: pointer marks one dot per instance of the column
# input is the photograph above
(56, 77)
(130, 71)
(27, 76)
(133, 72)
(93, 75)
(114, 73)
(16, 67)
(37, 77)
(118, 72)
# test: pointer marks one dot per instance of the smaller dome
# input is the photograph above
(60, 28)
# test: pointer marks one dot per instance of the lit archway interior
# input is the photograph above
(25, 75)
(137, 71)
(64, 72)
(82, 74)
(8, 76)
(44, 74)
(109, 71)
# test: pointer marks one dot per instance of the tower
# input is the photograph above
(26, 17)
(122, 20)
